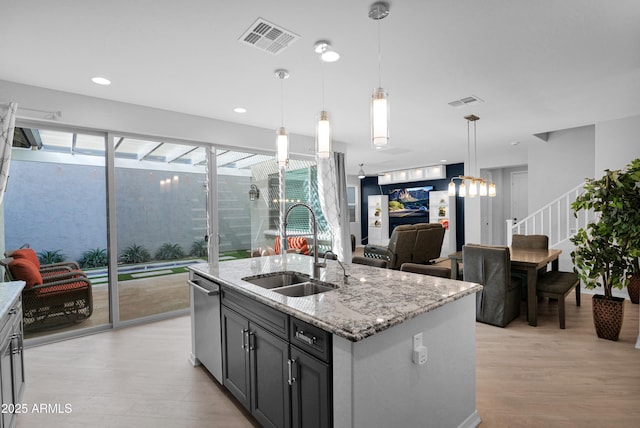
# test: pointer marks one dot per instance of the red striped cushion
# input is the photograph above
(61, 288)
(295, 242)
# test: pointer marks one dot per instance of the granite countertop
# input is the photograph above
(372, 300)
(8, 293)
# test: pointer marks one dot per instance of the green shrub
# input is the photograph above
(135, 254)
(168, 251)
(199, 248)
(47, 257)
(94, 258)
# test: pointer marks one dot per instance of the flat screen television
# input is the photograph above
(409, 202)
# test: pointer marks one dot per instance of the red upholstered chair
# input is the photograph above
(296, 244)
(51, 300)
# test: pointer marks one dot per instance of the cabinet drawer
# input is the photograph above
(312, 339)
(271, 319)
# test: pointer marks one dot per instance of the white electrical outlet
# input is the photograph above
(419, 354)
(417, 340)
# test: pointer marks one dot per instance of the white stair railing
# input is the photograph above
(556, 220)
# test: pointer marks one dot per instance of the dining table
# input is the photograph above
(527, 262)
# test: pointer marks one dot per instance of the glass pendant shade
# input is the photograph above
(462, 190)
(473, 189)
(483, 188)
(492, 190)
(379, 119)
(452, 188)
(323, 136)
(282, 147)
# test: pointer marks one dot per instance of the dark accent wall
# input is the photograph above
(369, 186)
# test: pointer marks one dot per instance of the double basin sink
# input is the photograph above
(292, 284)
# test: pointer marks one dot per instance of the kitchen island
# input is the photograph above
(372, 319)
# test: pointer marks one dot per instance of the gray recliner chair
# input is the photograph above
(499, 301)
(429, 237)
(399, 250)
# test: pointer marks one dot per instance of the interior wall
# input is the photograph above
(617, 142)
(369, 186)
(500, 205)
(560, 164)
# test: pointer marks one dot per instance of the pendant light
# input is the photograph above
(282, 138)
(477, 185)
(361, 173)
(323, 129)
(380, 98)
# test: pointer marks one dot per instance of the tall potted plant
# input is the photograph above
(608, 247)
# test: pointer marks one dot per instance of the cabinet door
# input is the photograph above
(17, 360)
(270, 396)
(6, 387)
(235, 358)
(310, 392)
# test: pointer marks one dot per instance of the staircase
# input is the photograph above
(556, 220)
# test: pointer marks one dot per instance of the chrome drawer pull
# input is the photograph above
(290, 364)
(201, 289)
(308, 340)
(245, 337)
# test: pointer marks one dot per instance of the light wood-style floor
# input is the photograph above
(526, 377)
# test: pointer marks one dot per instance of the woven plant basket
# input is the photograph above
(634, 288)
(607, 316)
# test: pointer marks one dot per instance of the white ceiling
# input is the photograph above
(538, 65)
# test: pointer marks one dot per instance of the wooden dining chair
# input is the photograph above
(530, 242)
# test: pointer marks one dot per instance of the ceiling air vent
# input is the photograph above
(268, 37)
(466, 101)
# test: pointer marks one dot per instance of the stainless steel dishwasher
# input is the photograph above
(206, 338)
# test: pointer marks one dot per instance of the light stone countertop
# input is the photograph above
(8, 292)
(372, 300)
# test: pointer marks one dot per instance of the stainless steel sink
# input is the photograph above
(306, 289)
(289, 283)
(278, 279)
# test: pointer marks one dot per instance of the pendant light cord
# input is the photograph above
(379, 57)
(281, 102)
(475, 151)
(322, 73)
(469, 147)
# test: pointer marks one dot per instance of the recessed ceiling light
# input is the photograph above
(327, 54)
(443, 160)
(240, 110)
(515, 143)
(101, 80)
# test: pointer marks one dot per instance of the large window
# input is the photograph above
(56, 205)
(143, 213)
(161, 223)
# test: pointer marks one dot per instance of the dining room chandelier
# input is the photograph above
(472, 185)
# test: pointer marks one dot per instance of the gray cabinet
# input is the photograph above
(235, 355)
(310, 391)
(279, 368)
(11, 362)
(255, 369)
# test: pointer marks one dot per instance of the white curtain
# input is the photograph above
(332, 189)
(7, 123)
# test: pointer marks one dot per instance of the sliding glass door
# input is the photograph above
(55, 206)
(160, 210)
